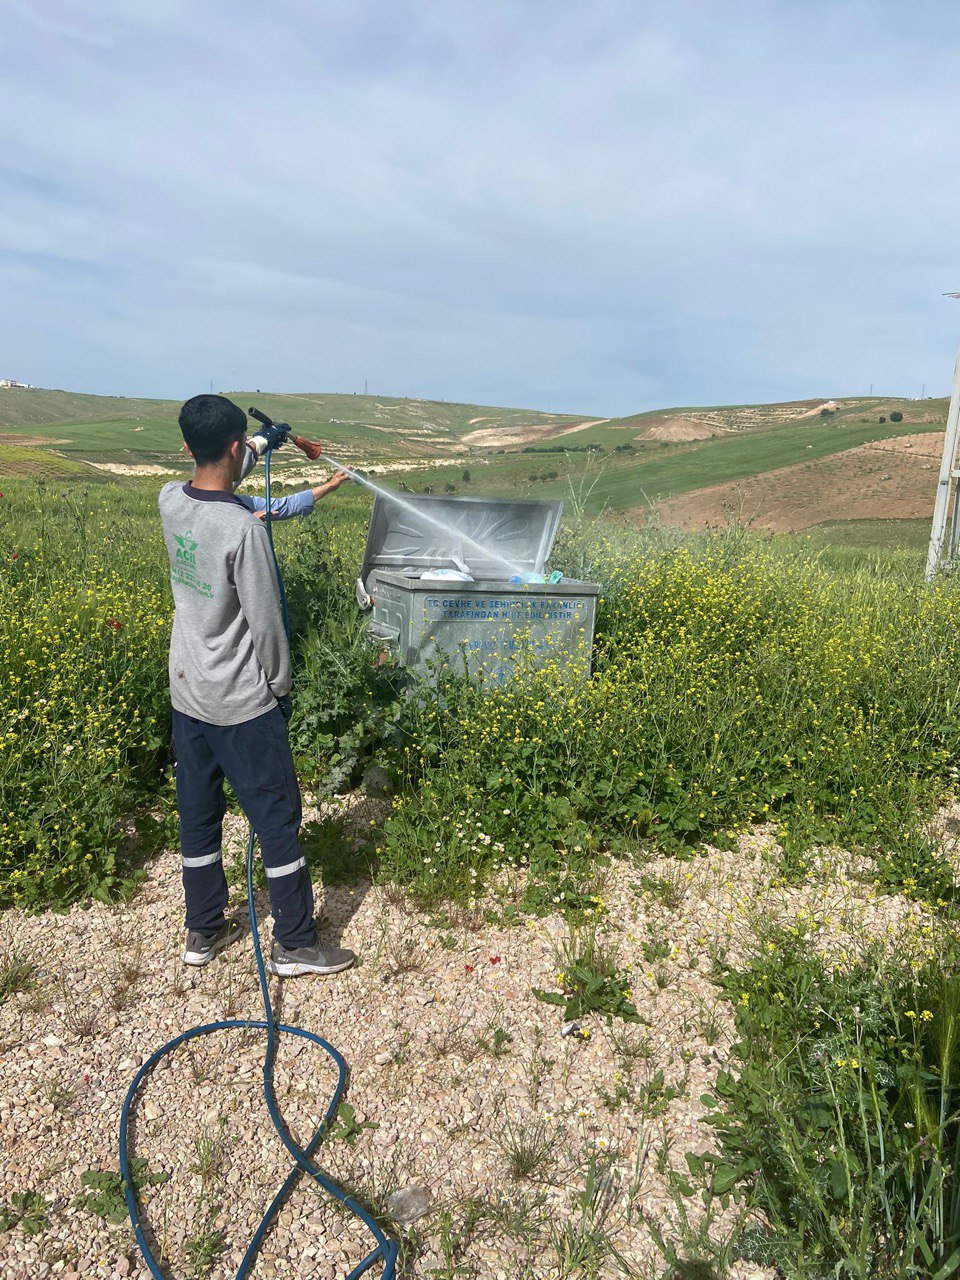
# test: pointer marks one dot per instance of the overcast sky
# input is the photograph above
(597, 207)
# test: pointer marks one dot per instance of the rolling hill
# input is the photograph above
(364, 428)
(783, 467)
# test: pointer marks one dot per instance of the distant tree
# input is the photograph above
(450, 487)
(563, 448)
(826, 413)
(466, 477)
(896, 416)
(881, 419)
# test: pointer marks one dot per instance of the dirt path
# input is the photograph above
(134, 469)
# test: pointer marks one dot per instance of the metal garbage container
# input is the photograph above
(436, 581)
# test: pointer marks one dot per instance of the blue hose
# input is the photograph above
(385, 1249)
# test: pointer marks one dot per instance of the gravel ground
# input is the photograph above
(459, 1067)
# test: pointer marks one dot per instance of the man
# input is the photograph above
(229, 686)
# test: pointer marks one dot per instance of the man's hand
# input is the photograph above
(286, 706)
(271, 437)
(336, 480)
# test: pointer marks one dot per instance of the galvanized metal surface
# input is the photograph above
(486, 625)
(492, 536)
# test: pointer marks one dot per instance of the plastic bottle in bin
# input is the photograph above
(523, 578)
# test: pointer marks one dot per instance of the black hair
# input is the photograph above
(210, 424)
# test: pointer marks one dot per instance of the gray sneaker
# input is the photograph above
(316, 959)
(201, 950)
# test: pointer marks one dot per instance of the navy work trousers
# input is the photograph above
(255, 759)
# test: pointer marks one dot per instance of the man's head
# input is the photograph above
(212, 427)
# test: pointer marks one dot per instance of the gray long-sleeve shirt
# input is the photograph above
(229, 655)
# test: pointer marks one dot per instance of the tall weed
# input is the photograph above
(84, 621)
(841, 1121)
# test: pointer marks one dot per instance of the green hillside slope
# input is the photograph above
(38, 407)
(105, 428)
(43, 464)
(633, 479)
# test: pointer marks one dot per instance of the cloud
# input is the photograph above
(606, 207)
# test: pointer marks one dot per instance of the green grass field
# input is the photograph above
(21, 460)
(874, 535)
(128, 439)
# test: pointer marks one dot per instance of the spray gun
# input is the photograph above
(274, 434)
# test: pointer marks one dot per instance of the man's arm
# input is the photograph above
(256, 581)
(294, 504)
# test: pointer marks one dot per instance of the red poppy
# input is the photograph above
(114, 624)
(468, 968)
(494, 959)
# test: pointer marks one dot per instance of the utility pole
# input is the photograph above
(364, 386)
(943, 550)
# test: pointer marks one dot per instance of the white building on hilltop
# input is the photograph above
(12, 382)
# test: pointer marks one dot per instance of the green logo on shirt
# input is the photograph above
(183, 570)
(185, 549)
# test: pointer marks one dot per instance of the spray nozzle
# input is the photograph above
(311, 449)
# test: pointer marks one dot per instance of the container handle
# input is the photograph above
(381, 631)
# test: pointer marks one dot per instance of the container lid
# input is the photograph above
(493, 537)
